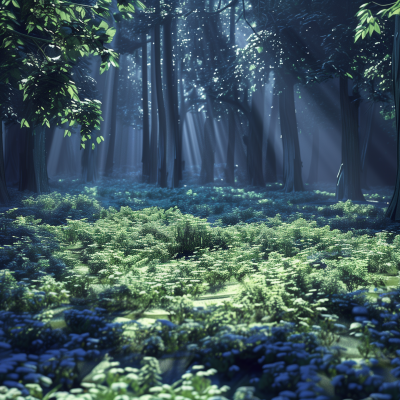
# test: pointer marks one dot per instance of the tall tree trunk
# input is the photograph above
(208, 152)
(170, 34)
(292, 178)
(364, 150)
(182, 118)
(162, 148)
(171, 105)
(4, 196)
(270, 173)
(230, 156)
(199, 130)
(313, 174)
(349, 182)
(256, 136)
(393, 211)
(113, 126)
(33, 169)
(154, 116)
(145, 96)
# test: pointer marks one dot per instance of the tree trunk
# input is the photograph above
(208, 152)
(4, 196)
(14, 139)
(65, 158)
(113, 125)
(145, 96)
(154, 116)
(109, 167)
(270, 173)
(230, 156)
(292, 178)
(89, 172)
(349, 183)
(199, 130)
(313, 175)
(256, 136)
(33, 167)
(393, 211)
(162, 148)
(170, 34)
(49, 140)
(364, 150)
(182, 118)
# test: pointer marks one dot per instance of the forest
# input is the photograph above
(199, 200)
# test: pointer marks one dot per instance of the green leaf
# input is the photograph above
(347, 74)
(24, 122)
(259, 49)
(252, 67)
(83, 146)
(103, 25)
(6, 43)
(66, 132)
(361, 12)
(93, 146)
(396, 11)
(371, 30)
(98, 140)
(15, 3)
(357, 36)
(140, 4)
(364, 5)
(377, 29)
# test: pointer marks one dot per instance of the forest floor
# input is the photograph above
(274, 304)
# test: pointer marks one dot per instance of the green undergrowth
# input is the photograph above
(304, 272)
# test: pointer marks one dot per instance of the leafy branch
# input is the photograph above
(368, 23)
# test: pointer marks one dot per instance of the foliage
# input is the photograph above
(294, 272)
(38, 50)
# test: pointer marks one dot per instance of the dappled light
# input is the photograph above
(199, 200)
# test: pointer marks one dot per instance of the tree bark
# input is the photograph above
(89, 170)
(270, 173)
(162, 121)
(393, 211)
(145, 96)
(33, 170)
(154, 116)
(230, 156)
(292, 178)
(256, 137)
(364, 150)
(170, 33)
(4, 196)
(109, 167)
(349, 182)
(313, 174)
(182, 118)
(208, 152)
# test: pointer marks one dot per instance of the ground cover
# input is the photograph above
(119, 290)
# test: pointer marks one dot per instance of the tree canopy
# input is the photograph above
(41, 42)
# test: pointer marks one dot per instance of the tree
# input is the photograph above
(37, 50)
(368, 24)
